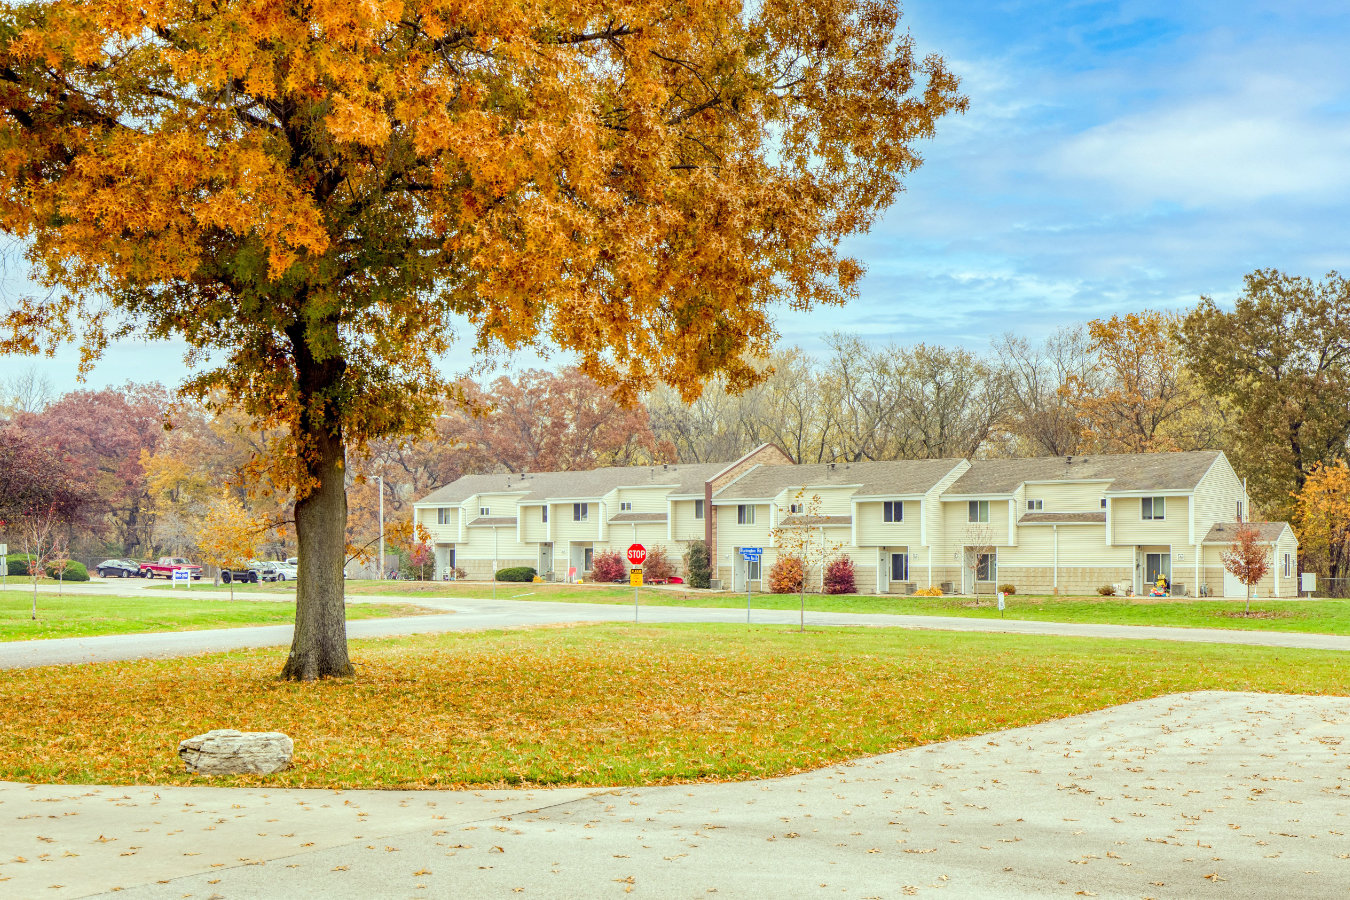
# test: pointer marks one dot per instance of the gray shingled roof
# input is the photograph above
(1062, 518)
(1226, 532)
(489, 521)
(902, 477)
(1126, 472)
(629, 518)
(795, 521)
(538, 486)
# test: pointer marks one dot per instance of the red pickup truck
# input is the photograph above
(167, 565)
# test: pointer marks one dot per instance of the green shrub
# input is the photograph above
(516, 573)
(697, 566)
(1008, 589)
(17, 563)
(75, 571)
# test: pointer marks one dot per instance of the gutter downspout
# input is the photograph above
(1055, 536)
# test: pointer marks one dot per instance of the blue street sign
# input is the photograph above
(750, 554)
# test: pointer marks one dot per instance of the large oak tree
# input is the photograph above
(319, 195)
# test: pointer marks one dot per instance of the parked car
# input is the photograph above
(267, 571)
(243, 576)
(285, 571)
(118, 568)
(167, 565)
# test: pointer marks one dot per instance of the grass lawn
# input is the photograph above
(90, 615)
(603, 704)
(1313, 616)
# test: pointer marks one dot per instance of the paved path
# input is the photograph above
(1208, 795)
(470, 615)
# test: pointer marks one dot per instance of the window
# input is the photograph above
(794, 508)
(1103, 503)
(1152, 508)
(745, 514)
(698, 509)
(544, 508)
(753, 571)
(1287, 566)
(1239, 510)
(443, 515)
(588, 557)
(580, 512)
(899, 567)
(1035, 505)
(484, 511)
(893, 511)
(979, 511)
(625, 506)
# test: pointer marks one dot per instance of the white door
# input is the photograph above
(1232, 586)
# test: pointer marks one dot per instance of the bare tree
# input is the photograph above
(979, 548)
(1039, 413)
(800, 532)
(30, 391)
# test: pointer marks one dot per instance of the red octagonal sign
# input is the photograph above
(637, 554)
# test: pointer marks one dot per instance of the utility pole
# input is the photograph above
(381, 478)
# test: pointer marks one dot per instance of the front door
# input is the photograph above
(1232, 585)
(1156, 565)
(545, 560)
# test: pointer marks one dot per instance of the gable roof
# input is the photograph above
(534, 487)
(1124, 471)
(901, 477)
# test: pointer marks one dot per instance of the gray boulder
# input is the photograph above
(229, 752)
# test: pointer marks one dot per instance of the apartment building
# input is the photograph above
(1047, 525)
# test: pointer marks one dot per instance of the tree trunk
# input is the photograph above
(319, 648)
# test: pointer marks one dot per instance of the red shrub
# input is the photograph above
(839, 577)
(609, 567)
(658, 565)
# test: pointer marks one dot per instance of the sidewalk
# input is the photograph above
(1205, 795)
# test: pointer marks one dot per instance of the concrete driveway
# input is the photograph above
(1217, 795)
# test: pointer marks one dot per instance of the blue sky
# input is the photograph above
(1116, 156)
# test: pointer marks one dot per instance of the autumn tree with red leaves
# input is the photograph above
(1247, 558)
(312, 195)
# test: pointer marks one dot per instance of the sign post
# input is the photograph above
(637, 555)
(182, 575)
(749, 554)
(1000, 604)
(4, 567)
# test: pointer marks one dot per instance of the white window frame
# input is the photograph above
(904, 575)
(625, 506)
(794, 508)
(1153, 509)
(544, 517)
(1287, 566)
(1239, 510)
(485, 510)
(1035, 505)
(698, 509)
(745, 514)
(581, 512)
(1103, 503)
(442, 515)
(893, 511)
(978, 511)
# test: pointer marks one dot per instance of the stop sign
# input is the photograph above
(637, 554)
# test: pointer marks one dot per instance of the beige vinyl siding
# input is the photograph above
(683, 525)
(565, 530)
(1129, 527)
(1216, 498)
(731, 534)
(875, 531)
(644, 500)
(936, 529)
(428, 517)
(956, 527)
(834, 501)
(1079, 545)
(1066, 496)
(623, 536)
(477, 544)
(533, 528)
